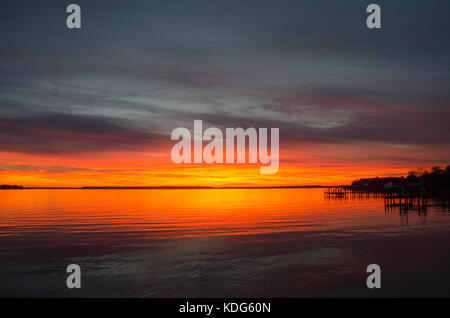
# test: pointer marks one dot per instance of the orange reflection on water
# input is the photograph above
(140, 214)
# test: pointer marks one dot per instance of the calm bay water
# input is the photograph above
(218, 243)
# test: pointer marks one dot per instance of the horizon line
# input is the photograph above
(175, 187)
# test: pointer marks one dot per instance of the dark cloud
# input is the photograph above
(418, 127)
(58, 133)
(56, 169)
(136, 71)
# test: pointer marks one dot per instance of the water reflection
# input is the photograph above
(224, 243)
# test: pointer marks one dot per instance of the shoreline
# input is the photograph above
(175, 188)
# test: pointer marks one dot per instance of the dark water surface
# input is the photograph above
(218, 243)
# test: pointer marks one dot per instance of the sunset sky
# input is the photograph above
(96, 106)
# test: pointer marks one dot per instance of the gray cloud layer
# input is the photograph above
(136, 71)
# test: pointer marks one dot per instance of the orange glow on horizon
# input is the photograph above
(299, 165)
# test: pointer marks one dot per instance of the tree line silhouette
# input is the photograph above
(435, 182)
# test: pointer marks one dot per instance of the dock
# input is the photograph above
(392, 199)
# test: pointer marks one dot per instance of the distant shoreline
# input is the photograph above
(175, 188)
(204, 187)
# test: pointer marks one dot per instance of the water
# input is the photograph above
(217, 243)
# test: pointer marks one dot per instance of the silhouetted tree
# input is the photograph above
(435, 182)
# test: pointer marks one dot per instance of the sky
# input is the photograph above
(96, 106)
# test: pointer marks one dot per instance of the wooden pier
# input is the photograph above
(396, 199)
(391, 199)
(344, 192)
(405, 194)
(335, 192)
